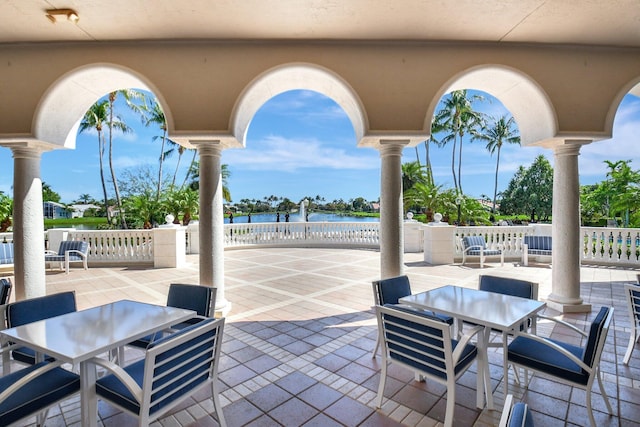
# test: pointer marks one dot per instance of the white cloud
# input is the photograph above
(281, 154)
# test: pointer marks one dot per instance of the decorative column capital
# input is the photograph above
(27, 152)
(569, 147)
(392, 147)
(208, 148)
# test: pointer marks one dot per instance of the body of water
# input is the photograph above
(313, 217)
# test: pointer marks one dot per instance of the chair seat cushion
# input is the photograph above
(27, 355)
(189, 322)
(420, 312)
(539, 252)
(535, 355)
(145, 341)
(485, 252)
(60, 258)
(38, 394)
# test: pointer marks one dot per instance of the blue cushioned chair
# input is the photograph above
(174, 368)
(477, 246)
(632, 293)
(574, 365)
(5, 290)
(423, 344)
(32, 310)
(33, 390)
(536, 245)
(515, 414)
(389, 291)
(508, 286)
(69, 251)
(201, 299)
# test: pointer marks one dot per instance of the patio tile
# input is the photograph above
(269, 397)
(299, 337)
(293, 412)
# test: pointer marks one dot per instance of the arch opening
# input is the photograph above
(291, 77)
(63, 106)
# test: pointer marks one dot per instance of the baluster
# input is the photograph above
(619, 246)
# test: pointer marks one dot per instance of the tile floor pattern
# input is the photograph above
(299, 337)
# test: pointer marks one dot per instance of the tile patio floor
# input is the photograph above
(299, 337)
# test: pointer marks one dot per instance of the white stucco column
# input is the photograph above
(565, 273)
(391, 223)
(28, 223)
(211, 222)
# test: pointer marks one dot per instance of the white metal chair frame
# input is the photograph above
(42, 414)
(632, 291)
(593, 372)
(450, 359)
(143, 394)
(482, 249)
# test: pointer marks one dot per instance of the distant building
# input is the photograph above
(53, 210)
(79, 209)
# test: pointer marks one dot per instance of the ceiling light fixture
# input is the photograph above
(69, 13)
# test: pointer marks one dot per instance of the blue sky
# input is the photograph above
(301, 143)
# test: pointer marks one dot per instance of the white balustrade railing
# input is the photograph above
(332, 234)
(117, 246)
(610, 245)
(598, 245)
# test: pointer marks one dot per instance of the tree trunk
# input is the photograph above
(104, 185)
(123, 222)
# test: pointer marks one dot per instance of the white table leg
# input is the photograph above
(88, 397)
(485, 373)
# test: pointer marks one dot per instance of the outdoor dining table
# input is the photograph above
(78, 336)
(489, 309)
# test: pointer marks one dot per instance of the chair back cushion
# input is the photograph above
(520, 416)
(597, 333)
(192, 297)
(508, 286)
(543, 243)
(6, 253)
(389, 291)
(5, 290)
(468, 241)
(73, 245)
(34, 309)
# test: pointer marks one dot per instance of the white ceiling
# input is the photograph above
(590, 22)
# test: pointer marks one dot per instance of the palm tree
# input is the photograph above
(412, 173)
(194, 173)
(181, 149)
(153, 114)
(501, 131)
(458, 117)
(95, 118)
(117, 123)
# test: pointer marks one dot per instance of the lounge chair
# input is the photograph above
(69, 251)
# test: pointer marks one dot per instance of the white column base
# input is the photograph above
(566, 307)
